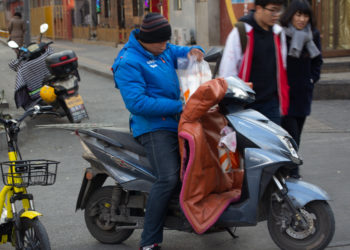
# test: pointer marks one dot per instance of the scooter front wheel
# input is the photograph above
(289, 235)
(98, 218)
(33, 235)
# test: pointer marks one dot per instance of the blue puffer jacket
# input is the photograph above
(149, 86)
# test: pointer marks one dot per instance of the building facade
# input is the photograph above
(205, 22)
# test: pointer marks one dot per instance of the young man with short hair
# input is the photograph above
(264, 60)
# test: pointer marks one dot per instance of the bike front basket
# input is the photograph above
(29, 173)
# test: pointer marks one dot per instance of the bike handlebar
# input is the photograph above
(37, 109)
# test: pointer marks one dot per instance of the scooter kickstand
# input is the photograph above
(231, 233)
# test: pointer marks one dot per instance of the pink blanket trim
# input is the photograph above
(191, 144)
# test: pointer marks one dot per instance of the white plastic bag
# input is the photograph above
(191, 75)
(228, 157)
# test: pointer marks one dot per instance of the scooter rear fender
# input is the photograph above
(301, 192)
(88, 187)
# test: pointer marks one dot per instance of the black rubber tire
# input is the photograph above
(66, 111)
(69, 116)
(324, 225)
(111, 236)
(34, 235)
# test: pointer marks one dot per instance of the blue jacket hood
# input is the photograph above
(134, 44)
(149, 85)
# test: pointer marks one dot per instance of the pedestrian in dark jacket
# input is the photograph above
(304, 62)
(145, 73)
(17, 29)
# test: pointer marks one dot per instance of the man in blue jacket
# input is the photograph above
(145, 73)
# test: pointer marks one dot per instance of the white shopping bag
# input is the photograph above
(192, 74)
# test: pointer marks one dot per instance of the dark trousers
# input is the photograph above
(162, 148)
(294, 126)
(270, 109)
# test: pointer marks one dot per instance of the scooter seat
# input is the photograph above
(127, 141)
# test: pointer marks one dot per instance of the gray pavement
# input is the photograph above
(325, 147)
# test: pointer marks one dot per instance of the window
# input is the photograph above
(137, 7)
(121, 14)
(107, 8)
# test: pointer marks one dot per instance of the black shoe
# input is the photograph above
(151, 247)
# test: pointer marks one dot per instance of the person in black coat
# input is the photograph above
(304, 62)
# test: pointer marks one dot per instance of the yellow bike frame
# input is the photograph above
(8, 191)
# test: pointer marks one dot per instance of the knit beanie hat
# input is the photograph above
(155, 28)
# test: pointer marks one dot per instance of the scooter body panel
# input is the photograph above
(258, 129)
(256, 161)
(121, 165)
(302, 192)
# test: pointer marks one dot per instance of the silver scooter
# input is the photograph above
(298, 214)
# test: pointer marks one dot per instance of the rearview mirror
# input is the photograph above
(43, 28)
(12, 44)
(213, 54)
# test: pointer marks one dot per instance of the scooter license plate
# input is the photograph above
(76, 107)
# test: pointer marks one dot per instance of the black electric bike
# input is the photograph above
(48, 78)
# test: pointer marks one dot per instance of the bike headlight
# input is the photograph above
(287, 143)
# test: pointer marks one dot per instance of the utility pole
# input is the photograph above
(27, 38)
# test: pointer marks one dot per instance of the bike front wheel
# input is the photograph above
(33, 235)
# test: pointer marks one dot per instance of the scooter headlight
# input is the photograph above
(239, 93)
(287, 143)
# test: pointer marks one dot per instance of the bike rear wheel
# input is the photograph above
(33, 235)
(98, 218)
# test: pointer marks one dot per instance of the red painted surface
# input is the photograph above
(156, 7)
(70, 6)
(14, 5)
(225, 22)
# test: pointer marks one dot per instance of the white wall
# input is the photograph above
(208, 22)
(184, 18)
(201, 18)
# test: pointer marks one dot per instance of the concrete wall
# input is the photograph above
(214, 22)
(208, 23)
(184, 18)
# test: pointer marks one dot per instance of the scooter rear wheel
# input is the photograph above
(97, 218)
(320, 231)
